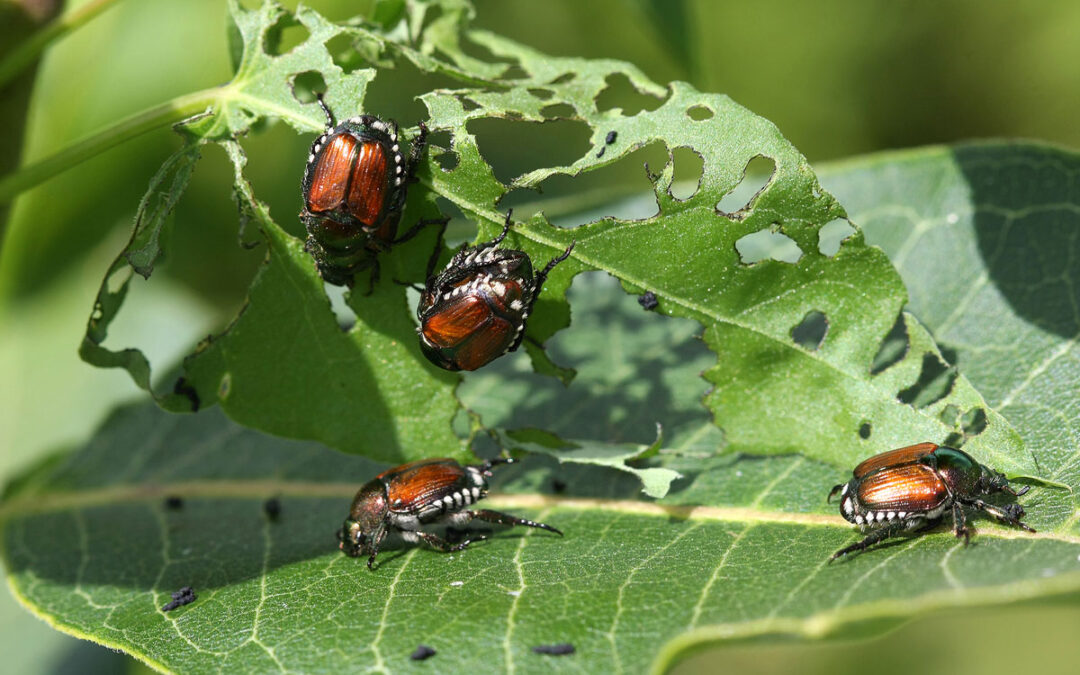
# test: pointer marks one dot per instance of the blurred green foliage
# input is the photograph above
(839, 77)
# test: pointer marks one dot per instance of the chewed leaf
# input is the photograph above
(988, 250)
(749, 270)
(656, 481)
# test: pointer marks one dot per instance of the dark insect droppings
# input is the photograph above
(173, 503)
(560, 649)
(422, 652)
(611, 136)
(601, 153)
(184, 596)
(183, 388)
(272, 508)
(648, 300)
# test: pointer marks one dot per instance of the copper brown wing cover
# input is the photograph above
(904, 488)
(898, 457)
(330, 178)
(410, 486)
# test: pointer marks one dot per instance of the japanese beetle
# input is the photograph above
(354, 189)
(407, 497)
(913, 487)
(474, 311)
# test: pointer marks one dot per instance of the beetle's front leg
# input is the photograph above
(874, 537)
(416, 149)
(960, 528)
(443, 545)
(1010, 514)
(507, 519)
(376, 542)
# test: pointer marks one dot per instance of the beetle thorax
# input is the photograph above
(369, 506)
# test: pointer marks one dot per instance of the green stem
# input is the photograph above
(20, 58)
(140, 123)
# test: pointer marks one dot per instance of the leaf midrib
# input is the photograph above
(34, 503)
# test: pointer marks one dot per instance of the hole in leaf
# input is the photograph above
(346, 317)
(699, 113)
(440, 148)
(393, 94)
(810, 332)
(343, 52)
(864, 430)
(757, 175)
(620, 93)
(306, 85)
(557, 110)
(542, 94)
(468, 104)
(954, 440)
(894, 347)
(950, 415)
(284, 35)
(689, 166)
(476, 50)
(514, 148)
(769, 243)
(832, 234)
(617, 190)
(514, 72)
(974, 422)
(935, 382)
(564, 78)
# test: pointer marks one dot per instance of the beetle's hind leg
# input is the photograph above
(507, 519)
(875, 536)
(441, 544)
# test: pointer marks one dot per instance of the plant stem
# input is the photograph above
(140, 123)
(22, 56)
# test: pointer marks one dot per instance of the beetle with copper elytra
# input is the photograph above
(915, 486)
(354, 190)
(426, 492)
(475, 310)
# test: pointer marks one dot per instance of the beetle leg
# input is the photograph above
(538, 281)
(960, 528)
(507, 519)
(1010, 514)
(373, 278)
(417, 150)
(874, 537)
(376, 542)
(832, 493)
(329, 115)
(502, 235)
(489, 463)
(415, 230)
(441, 544)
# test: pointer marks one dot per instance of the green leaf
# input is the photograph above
(655, 481)
(985, 237)
(284, 366)
(736, 551)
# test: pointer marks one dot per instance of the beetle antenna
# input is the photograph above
(329, 115)
(832, 493)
